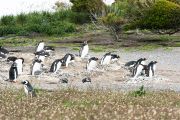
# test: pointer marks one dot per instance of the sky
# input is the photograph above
(13, 7)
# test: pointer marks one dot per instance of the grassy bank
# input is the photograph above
(72, 104)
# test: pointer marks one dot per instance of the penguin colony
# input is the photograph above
(136, 68)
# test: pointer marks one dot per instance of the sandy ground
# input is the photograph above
(112, 77)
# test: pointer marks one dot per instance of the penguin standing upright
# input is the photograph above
(36, 67)
(138, 67)
(84, 50)
(40, 46)
(56, 65)
(28, 89)
(92, 63)
(13, 73)
(68, 58)
(19, 62)
(151, 67)
(106, 59)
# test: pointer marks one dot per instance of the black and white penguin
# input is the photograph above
(139, 67)
(41, 55)
(106, 59)
(56, 65)
(135, 63)
(28, 89)
(19, 62)
(92, 63)
(36, 67)
(88, 79)
(114, 57)
(2, 55)
(151, 67)
(13, 73)
(49, 48)
(84, 50)
(40, 46)
(11, 59)
(3, 50)
(68, 58)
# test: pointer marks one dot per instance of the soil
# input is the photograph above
(111, 77)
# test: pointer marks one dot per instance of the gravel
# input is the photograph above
(113, 77)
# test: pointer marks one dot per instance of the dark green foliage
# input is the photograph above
(21, 19)
(8, 20)
(57, 23)
(140, 92)
(87, 6)
(161, 15)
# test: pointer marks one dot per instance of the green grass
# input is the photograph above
(73, 104)
(148, 47)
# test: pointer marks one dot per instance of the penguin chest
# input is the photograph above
(19, 66)
(106, 60)
(40, 47)
(40, 57)
(36, 67)
(92, 65)
(26, 90)
(85, 51)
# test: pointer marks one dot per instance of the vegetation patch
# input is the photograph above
(73, 104)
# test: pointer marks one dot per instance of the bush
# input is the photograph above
(162, 15)
(21, 19)
(5, 30)
(8, 20)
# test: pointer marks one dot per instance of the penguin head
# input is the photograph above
(9, 59)
(25, 82)
(155, 62)
(94, 58)
(42, 53)
(88, 79)
(49, 48)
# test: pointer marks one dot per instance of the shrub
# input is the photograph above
(5, 30)
(8, 20)
(21, 19)
(162, 15)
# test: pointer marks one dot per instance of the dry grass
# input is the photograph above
(78, 105)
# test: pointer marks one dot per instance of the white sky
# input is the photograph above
(9, 7)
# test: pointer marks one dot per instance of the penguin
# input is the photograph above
(114, 57)
(3, 50)
(106, 59)
(92, 63)
(41, 55)
(11, 59)
(2, 55)
(68, 58)
(28, 89)
(151, 67)
(49, 48)
(88, 79)
(56, 65)
(36, 67)
(40, 46)
(135, 63)
(139, 67)
(84, 50)
(130, 64)
(13, 73)
(19, 62)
